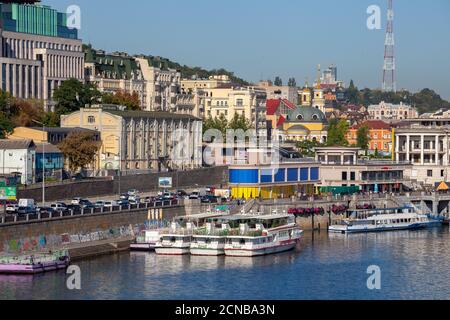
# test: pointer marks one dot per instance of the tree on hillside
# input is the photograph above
(6, 124)
(337, 133)
(292, 82)
(26, 112)
(278, 82)
(131, 101)
(362, 137)
(79, 149)
(73, 95)
(352, 93)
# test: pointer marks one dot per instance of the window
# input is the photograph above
(352, 176)
(344, 176)
(315, 117)
(300, 117)
(442, 173)
(91, 119)
(430, 173)
(239, 102)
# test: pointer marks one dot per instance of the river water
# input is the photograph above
(413, 264)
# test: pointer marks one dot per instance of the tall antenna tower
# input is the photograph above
(389, 84)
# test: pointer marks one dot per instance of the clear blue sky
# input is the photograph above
(264, 38)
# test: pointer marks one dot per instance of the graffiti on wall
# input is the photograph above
(50, 242)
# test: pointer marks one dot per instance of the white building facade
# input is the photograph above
(18, 157)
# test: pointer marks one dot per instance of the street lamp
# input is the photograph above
(43, 160)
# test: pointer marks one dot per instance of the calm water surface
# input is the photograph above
(414, 265)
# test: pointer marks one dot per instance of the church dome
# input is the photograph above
(306, 114)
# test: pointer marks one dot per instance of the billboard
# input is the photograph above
(8, 193)
(165, 182)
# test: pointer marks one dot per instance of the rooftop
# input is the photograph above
(16, 144)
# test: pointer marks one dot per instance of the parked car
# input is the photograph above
(110, 204)
(149, 199)
(123, 202)
(12, 208)
(76, 201)
(124, 196)
(182, 193)
(86, 204)
(26, 210)
(135, 200)
(99, 204)
(59, 206)
(133, 192)
(42, 210)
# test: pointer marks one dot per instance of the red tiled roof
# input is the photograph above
(289, 104)
(374, 125)
(281, 121)
(272, 106)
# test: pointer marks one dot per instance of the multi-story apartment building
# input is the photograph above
(425, 143)
(141, 140)
(115, 72)
(250, 102)
(389, 111)
(380, 134)
(37, 51)
(217, 81)
(279, 92)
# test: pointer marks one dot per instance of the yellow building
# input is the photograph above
(305, 123)
(189, 86)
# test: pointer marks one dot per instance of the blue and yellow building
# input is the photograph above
(282, 180)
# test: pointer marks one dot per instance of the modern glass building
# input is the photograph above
(35, 19)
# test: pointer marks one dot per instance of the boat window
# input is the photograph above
(242, 241)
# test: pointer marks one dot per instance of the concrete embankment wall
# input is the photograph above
(215, 176)
(42, 235)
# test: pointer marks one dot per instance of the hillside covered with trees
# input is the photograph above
(427, 100)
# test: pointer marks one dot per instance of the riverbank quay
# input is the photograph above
(99, 248)
(44, 233)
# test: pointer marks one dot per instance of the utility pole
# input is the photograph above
(43, 160)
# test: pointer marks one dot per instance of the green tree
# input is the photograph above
(362, 137)
(278, 82)
(306, 147)
(73, 95)
(80, 149)
(131, 101)
(239, 122)
(292, 82)
(352, 93)
(6, 123)
(337, 133)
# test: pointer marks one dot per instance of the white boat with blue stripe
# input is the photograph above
(406, 219)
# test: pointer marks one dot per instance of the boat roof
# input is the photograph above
(200, 216)
(381, 209)
(254, 217)
(392, 216)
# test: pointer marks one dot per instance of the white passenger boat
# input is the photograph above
(179, 239)
(208, 241)
(263, 235)
(146, 241)
(404, 219)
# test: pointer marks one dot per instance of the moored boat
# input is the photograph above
(34, 264)
(405, 218)
(146, 241)
(263, 235)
